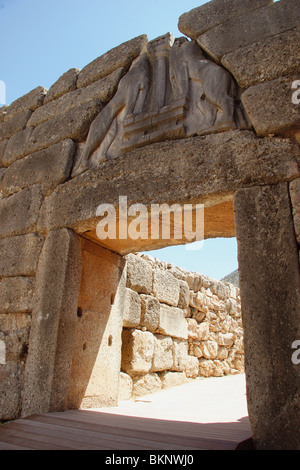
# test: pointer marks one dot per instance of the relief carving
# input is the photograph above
(171, 91)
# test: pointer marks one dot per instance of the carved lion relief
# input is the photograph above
(171, 91)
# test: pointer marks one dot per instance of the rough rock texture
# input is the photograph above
(295, 198)
(177, 340)
(270, 293)
(265, 60)
(201, 19)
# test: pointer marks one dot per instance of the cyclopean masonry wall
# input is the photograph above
(172, 137)
(178, 325)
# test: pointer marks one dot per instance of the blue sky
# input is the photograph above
(42, 39)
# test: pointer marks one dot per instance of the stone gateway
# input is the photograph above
(211, 118)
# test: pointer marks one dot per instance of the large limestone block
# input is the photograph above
(19, 212)
(146, 384)
(295, 197)
(125, 386)
(265, 60)
(3, 144)
(184, 294)
(278, 113)
(192, 367)
(120, 56)
(172, 379)
(270, 294)
(166, 287)
(132, 309)
(180, 355)
(172, 322)
(74, 124)
(163, 353)
(11, 263)
(67, 82)
(255, 26)
(137, 351)
(14, 125)
(102, 90)
(204, 168)
(11, 386)
(31, 101)
(14, 334)
(16, 294)
(16, 147)
(49, 167)
(150, 312)
(209, 349)
(205, 17)
(54, 308)
(139, 274)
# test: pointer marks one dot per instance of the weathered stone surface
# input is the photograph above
(102, 90)
(11, 263)
(209, 349)
(125, 386)
(146, 384)
(139, 275)
(205, 17)
(150, 312)
(192, 328)
(74, 124)
(96, 345)
(14, 125)
(132, 309)
(295, 198)
(138, 349)
(54, 307)
(67, 82)
(11, 385)
(16, 294)
(172, 379)
(163, 353)
(31, 101)
(180, 355)
(278, 114)
(3, 144)
(172, 322)
(192, 367)
(265, 60)
(19, 212)
(184, 294)
(120, 56)
(17, 146)
(270, 285)
(166, 288)
(3, 113)
(203, 331)
(204, 169)
(259, 24)
(15, 329)
(49, 167)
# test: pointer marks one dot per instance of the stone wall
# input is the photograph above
(178, 326)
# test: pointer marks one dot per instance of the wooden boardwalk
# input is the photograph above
(134, 426)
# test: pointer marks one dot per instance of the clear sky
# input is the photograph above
(42, 39)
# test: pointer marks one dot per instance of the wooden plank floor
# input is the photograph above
(91, 430)
(139, 426)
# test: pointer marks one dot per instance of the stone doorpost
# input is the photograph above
(270, 294)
